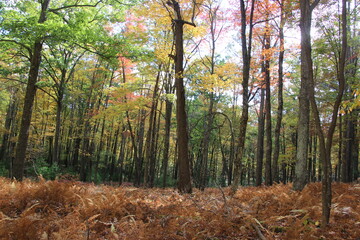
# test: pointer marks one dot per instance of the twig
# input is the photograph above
(223, 195)
(258, 231)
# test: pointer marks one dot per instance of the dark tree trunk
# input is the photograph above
(150, 162)
(246, 40)
(168, 113)
(99, 150)
(268, 149)
(56, 151)
(314, 159)
(9, 122)
(184, 178)
(260, 140)
(338, 166)
(35, 60)
(325, 141)
(205, 145)
(122, 155)
(275, 164)
(348, 151)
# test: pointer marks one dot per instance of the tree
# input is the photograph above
(212, 11)
(184, 182)
(326, 139)
(246, 44)
(279, 115)
(304, 104)
(35, 60)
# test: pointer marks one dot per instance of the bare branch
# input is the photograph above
(54, 10)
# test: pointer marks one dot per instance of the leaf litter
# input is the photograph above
(73, 210)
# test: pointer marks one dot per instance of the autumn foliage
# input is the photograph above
(74, 210)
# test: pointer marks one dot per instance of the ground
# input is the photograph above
(74, 210)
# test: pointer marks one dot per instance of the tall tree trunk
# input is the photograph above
(114, 156)
(304, 105)
(246, 40)
(99, 150)
(275, 164)
(150, 156)
(9, 121)
(56, 151)
(136, 159)
(268, 148)
(224, 169)
(340, 151)
(35, 60)
(122, 155)
(168, 113)
(326, 144)
(260, 139)
(205, 145)
(355, 172)
(184, 178)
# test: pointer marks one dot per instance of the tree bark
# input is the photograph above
(35, 60)
(184, 178)
(9, 121)
(304, 106)
(168, 113)
(326, 143)
(246, 45)
(260, 140)
(150, 162)
(275, 164)
(268, 148)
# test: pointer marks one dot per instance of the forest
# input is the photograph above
(249, 109)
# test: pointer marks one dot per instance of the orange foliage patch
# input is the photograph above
(73, 210)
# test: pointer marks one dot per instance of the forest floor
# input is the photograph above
(74, 210)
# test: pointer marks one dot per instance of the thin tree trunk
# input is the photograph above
(9, 121)
(275, 164)
(168, 113)
(150, 160)
(325, 146)
(260, 139)
(246, 40)
(268, 148)
(205, 145)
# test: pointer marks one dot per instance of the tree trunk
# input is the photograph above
(149, 175)
(168, 113)
(246, 40)
(304, 106)
(275, 164)
(35, 60)
(184, 179)
(325, 146)
(205, 145)
(260, 140)
(268, 148)
(122, 155)
(56, 151)
(9, 121)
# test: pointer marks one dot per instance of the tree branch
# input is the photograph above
(54, 10)
(18, 43)
(314, 4)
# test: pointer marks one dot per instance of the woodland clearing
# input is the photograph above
(75, 210)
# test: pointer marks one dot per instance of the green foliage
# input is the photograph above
(41, 167)
(4, 172)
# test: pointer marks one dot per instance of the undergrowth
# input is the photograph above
(73, 210)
